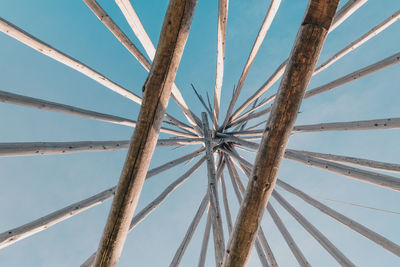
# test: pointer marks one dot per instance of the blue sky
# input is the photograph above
(31, 187)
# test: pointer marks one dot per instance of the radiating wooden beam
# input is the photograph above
(157, 90)
(226, 204)
(221, 38)
(137, 27)
(189, 234)
(304, 55)
(29, 40)
(321, 239)
(301, 259)
(207, 108)
(358, 74)
(353, 225)
(378, 179)
(373, 164)
(358, 42)
(266, 24)
(14, 235)
(218, 234)
(349, 8)
(204, 243)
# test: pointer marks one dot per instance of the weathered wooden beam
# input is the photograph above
(218, 234)
(29, 40)
(358, 42)
(304, 55)
(358, 74)
(137, 27)
(347, 10)
(301, 259)
(372, 164)
(157, 90)
(204, 243)
(14, 235)
(378, 179)
(266, 24)
(221, 37)
(189, 234)
(319, 237)
(353, 225)
(226, 204)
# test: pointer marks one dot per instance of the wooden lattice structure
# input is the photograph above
(220, 139)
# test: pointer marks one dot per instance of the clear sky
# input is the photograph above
(33, 186)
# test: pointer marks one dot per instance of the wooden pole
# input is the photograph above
(304, 55)
(157, 90)
(373, 164)
(347, 10)
(204, 243)
(146, 211)
(189, 234)
(137, 27)
(269, 18)
(378, 179)
(353, 225)
(226, 204)
(323, 240)
(29, 40)
(221, 37)
(218, 234)
(301, 259)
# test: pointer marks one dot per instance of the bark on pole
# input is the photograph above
(304, 55)
(157, 91)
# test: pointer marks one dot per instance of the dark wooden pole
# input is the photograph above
(304, 55)
(157, 91)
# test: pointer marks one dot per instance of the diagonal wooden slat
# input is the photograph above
(304, 55)
(157, 90)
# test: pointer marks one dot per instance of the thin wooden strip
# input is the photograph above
(137, 27)
(321, 238)
(29, 40)
(204, 243)
(301, 259)
(146, 211)
(382, 180)
(189, 234)
(346, 11)
(353, 225)
(14, 235)
(218, 234)
(157, 90)
(266, 24)
(221, 37)
(226, 204)
(304, 55)
(373, 164)
(357, 43)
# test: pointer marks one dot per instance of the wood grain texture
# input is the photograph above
(157, 90)
(304, 55)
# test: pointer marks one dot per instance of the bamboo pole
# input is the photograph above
(219, 245)
(221, 38)
(204, 243)
(323, 240)
(137, 27)
(304, 55)
(358, 74)
(301, 259)
(48, 148)
(29, 40)
(353, 225)
(382, 180)
(157, 90)
(14, 235)
(266, 24)
(259, 248)
(189, 234)
(346, 11)
(358, 42)
(372, 164)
